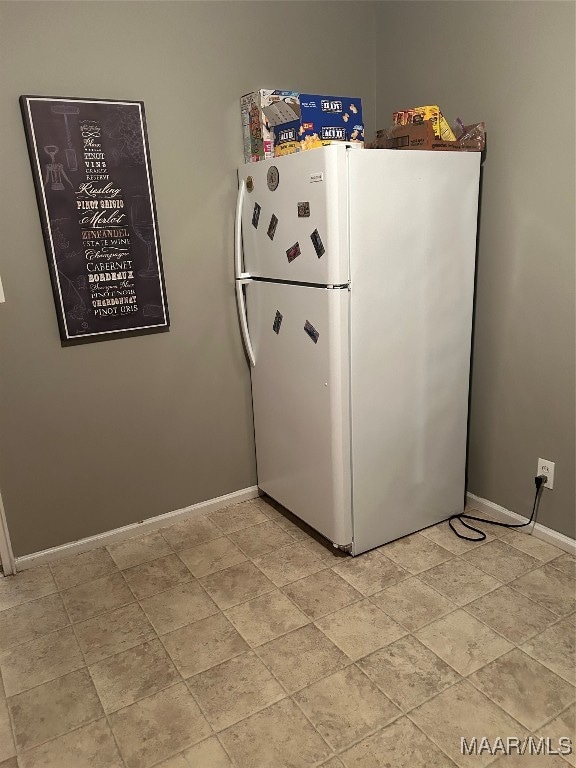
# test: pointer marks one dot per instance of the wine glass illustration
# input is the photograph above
(143, 226)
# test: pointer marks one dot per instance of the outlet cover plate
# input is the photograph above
(546, 467)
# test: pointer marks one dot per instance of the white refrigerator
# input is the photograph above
(354, 282)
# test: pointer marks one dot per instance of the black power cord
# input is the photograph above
(540, 480)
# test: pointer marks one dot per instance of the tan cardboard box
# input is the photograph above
(422, 136)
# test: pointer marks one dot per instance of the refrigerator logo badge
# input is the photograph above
(293, 252)
(317, 243)
(272, 227)
(335, 133)
(311, 331)
(316, 177)
(256, 215)
(277, 322)
(303, 210)
(331, 106)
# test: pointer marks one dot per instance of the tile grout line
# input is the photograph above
(95, 688)
(539, 564)
(51, 679)
(530, 535)
(418, 728)
(465, 677)
(288, 696)
(215, 731)
(458, 682)
(76, 728)
(557, 620)
(501, 584)
(558, 715)
(354, 742)
(151, 559)
(406, 712)
(182, 680)
(52, 632)
(291, 695)
(534, 637)
(440, 747)
(490, 591)
(202, 712)
(106, 714)
(303, 713)
(82, 725)
(500, 706)
(61, 589)
(158, 637)
(560, 616)
(10, 718)
(233, 762)
(33, 639)
(29, 600)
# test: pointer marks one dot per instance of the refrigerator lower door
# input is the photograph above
(300, 394)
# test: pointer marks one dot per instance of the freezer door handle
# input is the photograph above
(239, 274)
(244, 322)
(241, 277)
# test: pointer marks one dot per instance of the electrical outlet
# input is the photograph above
(546, 467)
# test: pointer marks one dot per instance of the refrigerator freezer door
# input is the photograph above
(301, 399)
(295, 219)
(413, 243)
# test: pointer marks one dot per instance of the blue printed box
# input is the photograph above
(322, 120)
(259, 111)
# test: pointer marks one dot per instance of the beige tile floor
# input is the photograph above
(240, 640)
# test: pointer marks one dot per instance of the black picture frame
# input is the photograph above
(92, 173)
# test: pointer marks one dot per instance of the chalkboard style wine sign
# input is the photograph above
(91, 168)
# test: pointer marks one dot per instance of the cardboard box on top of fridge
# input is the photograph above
(315, 121)
(257, 132)
(423, 136)
(429, 112)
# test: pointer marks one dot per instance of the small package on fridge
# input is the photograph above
(257, 132)
(315, 122)
(430, 112)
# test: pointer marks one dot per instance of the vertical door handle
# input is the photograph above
(241, 276)
(238, 231)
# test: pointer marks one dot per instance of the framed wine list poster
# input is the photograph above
(91, 168)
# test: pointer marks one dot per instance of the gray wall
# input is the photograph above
(512, 65)
(101, 435)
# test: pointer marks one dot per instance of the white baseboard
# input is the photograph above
(506, 516)
(135, 529)
(161, 521)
